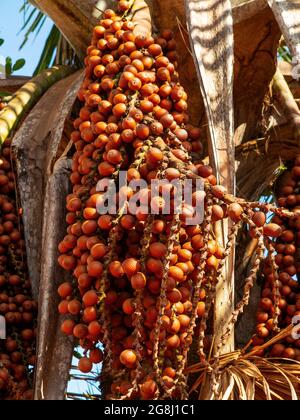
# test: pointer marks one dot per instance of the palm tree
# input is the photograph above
(235, 88)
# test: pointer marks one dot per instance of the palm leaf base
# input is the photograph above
(242, 375)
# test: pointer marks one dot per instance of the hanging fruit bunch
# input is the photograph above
(17, 309)
(144, 277)
(129, 267)
(280, 300)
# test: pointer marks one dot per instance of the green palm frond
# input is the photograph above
(56, 49)
(47, 58)
(33, 25)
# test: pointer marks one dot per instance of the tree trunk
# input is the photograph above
(288, 17)
(55, 350)
(212, 46)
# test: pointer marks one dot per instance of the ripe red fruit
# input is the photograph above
(173, 342)
(266, 304)
(98, 251)
(68, 326)
(273, 230)
(277, 350)
(138, 281)
(155, 50)
(235, 212)
(154, 266)
(128, 358)
(197, 242)
(95, 269)
(65, 290)
(259, 218)
(63, 307)
(116, 269)
(90, 314)
(85, 365)
(27, 335)
(80, 331)
(90, 298)
(67, 262)
(131, 266)
(128, 306)
(128, 222)
(114, 157)
(106, 169)
(74, 205)
(142, 131)
(148, 389)
(289, 353)
(135, 84)
(217, 213)
(96, 356)
(155, 155)
(262, 331)
(74, 307)
(94, 328)
(157, 250)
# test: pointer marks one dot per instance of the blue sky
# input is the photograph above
(11, 21)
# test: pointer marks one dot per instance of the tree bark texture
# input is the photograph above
(55, 349)
(210, 27)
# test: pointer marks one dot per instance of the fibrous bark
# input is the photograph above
(210, 27)
(255, 66)
(246, 9)
(54, 353)
(287, 13)
(287, 101)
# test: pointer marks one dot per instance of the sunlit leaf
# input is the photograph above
(48, 55)
(77, 355)
(8, 66)
(32, 28)
(4, 94)
(19, 64)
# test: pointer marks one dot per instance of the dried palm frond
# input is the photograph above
(246, 376)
